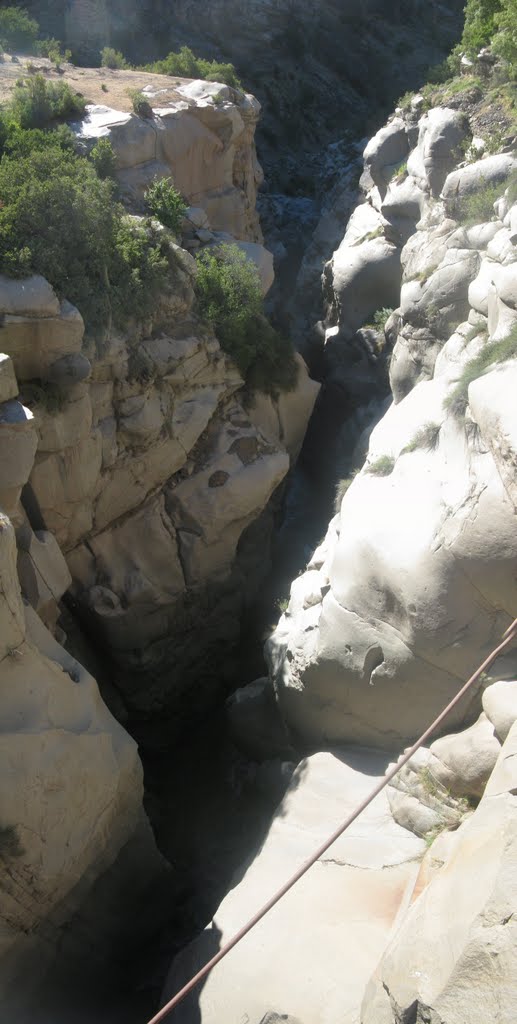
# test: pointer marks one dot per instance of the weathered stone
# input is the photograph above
(351, 898)
(469, 758)
(36, 342)
(31, 296)
(500, 706)
(8, 382)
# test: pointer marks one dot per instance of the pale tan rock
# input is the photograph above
(30, 296)
(12, 626)
(18, 443)
(348, 903)
(35, 342)
(67, 426)
(500, 706)
(8, 382)
(211, 508)
(284, 420)
(64, 484)
(42, 571)
(131, 480)
(460, 966)
(469, 757)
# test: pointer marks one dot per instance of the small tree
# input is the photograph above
(114, 59)
(18, 32)
(166, 203)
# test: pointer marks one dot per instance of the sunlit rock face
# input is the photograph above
(415, 581)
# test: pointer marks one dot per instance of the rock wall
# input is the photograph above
(415, 580)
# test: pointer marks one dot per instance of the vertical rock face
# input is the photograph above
(201, 133)
(71, 783)
(416, 581)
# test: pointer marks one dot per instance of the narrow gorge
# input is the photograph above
(258, 490)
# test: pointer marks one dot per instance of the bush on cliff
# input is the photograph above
(230, 298)
(184, 64)
(165, 203)
(36, 103)
(59, 219)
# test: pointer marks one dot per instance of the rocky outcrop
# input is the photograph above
(140, 464)
(199, 133)
(347, 904)
(415, 582)
(71, 790)
(460, 966)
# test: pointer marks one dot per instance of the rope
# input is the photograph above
(508, 637)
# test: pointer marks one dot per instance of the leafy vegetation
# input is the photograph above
(494, 352)
(36, 103)
(478, 207)
(18, 31)
(230, 298)
(184, 64)
(59, 219)
(382, 466)
(425, 438)
(103, 159)
(141, 105)
(341, 489)
(51, 48)
(111, 58)
(166, 203)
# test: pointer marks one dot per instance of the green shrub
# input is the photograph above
(479, 24)
(103, 159)
(505, 38)
(494, 352)
(111, 58)
(141, 105)
(425, 438)
(60, 220)
(51, 48)
(184, 64)
(478, 207)
(36, 103)
(18, 31)
(21, 142)
(381, 317)
(382, 466)
(166, 203)
(342, 487)
(230, 298)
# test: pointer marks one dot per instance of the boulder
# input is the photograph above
(43, 573)
(500, 706)
(386, 151)
(387, 646)
(469, 758)
(365, 276)
(284, 419)
(441, 132)
(460, 966)
(337, 917)
(491, 170)
(29, 297)
(35, 342)
(8, 382)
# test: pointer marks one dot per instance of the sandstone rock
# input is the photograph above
(30, 297)
(460, 966)
(469, 758)
(385, 151)
(18, 443)
(475, 177)
(43, 573)
(441, 132)
(8, 382)
(35, 342)
(67, 426)
(493, 409)
(12, 626)
(211, 508)
(64, 484)
(500, 706)
(350, 897)
(348, 667)
(365, 277)
(284, 420)
(440, 300)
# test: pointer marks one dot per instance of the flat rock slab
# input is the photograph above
(312, 956)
